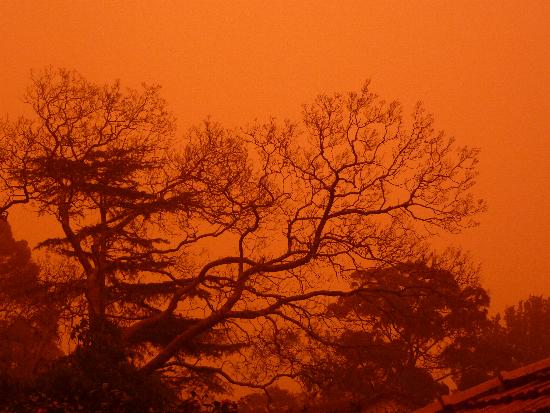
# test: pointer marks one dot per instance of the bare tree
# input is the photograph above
(229, 241)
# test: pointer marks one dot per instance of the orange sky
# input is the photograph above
(482, 67)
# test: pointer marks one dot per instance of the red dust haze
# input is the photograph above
(482, 68)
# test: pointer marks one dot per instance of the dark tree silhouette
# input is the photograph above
(526, 329)
(28, 318)
(392, 346)
(519, 337)
(225, 242)
(277, 399)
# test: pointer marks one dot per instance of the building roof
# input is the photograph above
(526, 389)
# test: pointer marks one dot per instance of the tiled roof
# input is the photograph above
(526, 389)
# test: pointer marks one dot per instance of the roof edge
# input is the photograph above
(485, 387)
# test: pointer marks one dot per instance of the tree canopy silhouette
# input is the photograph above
(28, 318)
(505, 342)
(225, 242)
(391, 350)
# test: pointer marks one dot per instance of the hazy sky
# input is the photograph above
(482, 68)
